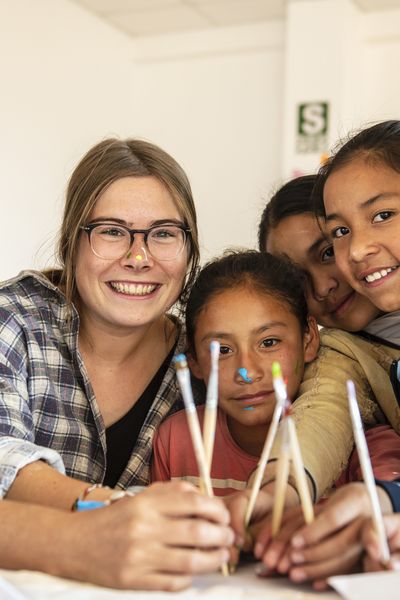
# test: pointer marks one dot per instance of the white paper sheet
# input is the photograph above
(243, 585)
(9, 592)
(368, 586)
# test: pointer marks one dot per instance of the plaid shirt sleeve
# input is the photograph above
(17, 432)
(16, 454)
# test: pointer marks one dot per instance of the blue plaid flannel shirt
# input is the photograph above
(48, 410)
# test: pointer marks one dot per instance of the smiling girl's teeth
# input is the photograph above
(379, 274)
(133, 289)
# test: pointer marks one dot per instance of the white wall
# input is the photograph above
(64, 81)
(381, 66)
(214, 99)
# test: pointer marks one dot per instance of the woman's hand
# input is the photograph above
(155, 540)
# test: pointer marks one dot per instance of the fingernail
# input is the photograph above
(262, 571)
(232, 568)
(395, 564)
(258, 548)
(270, 559)
(297, 575)
(283, 565)
(239, 541)
(225, 555)
(297, 541)
(297, 557)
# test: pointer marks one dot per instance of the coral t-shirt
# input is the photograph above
(173, 456)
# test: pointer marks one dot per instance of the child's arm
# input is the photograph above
(384, 450)
(322, 417)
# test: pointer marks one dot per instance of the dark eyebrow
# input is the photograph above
(366, 204)
(317, 244)
(214, 335)
(153, 223)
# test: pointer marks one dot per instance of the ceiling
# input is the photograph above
(150, 17)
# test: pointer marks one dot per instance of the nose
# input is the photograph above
(361, 245)
(248, 368)
(323, 283)
(137, 256)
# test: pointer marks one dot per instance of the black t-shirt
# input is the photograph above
(122, 435)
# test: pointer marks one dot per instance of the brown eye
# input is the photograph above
(269, 342)
(382, 216)
(340, 232)
(224, 349)
(327, 254)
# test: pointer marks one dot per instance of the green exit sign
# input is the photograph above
(312, 127)
(313, 118)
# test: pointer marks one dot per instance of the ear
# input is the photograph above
(311, 340)
(194, 366)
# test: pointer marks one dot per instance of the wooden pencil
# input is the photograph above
(183, 374)
(300, 473)
(282, 475)
(271, 435)
(367, 471)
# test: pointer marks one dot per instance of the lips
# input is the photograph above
(254, 399)
(132, 289)
(342, 304)
(378, 274)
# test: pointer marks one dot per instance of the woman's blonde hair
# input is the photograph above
(106, 162)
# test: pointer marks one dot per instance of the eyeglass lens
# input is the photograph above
(113, 242)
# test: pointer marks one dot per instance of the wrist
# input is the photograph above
(98, 496)
(292, 497)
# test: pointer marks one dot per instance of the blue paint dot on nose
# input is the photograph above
(243, 374)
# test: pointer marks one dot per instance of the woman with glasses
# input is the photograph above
(86, 349)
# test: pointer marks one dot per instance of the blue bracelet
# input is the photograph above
(81, 505)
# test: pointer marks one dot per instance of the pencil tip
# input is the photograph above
(180, 361)
(276, 369)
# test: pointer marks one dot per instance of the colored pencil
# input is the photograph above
(281, 397)
(300, 473)
(367, 471)
(282, 475)
(183, 375)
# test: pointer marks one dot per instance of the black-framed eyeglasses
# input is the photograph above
(111, 241)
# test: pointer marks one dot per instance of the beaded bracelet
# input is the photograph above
(81, 504)
(83, 495)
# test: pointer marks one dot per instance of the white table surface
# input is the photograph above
(243, 585)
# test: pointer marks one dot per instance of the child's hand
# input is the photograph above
(237, 506)
(275, 552)
(332, 543)
(370, 540)
(260, 519)
(244, 537)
